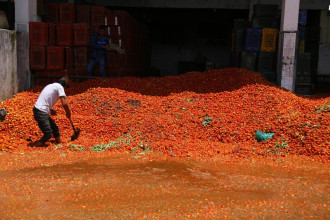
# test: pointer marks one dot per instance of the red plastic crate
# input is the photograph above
(115, 30)
(80, 55)
(63, 73)
(52, 13)
(38, 33)
(64, 35)
(42, 81)
(114, 40)
(93, 30)
(51, 34)
(83, 14)
(81, 34)
(80, 72)
(98, 15)
(68, 61)
(37, 58)
(67, 13)
(55, 58)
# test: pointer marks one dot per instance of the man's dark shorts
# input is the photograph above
(46, 124)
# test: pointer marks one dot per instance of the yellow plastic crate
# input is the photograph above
(268, 42)
(302, 46)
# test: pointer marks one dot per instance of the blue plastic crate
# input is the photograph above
(302, 17)
(302, 32)
(252, 39)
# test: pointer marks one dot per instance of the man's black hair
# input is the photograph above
(63, 83)
(102, 27)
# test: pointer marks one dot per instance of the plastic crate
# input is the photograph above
(93, 30)
(81, 34)
(37, 58)
(239, 40)
(38, 33)
(98, 15)
(268, 42)
(52, 13)
(265, 62)
(51, 34)
(260, 10)
(83, 14)
(67, 13)
(68, 55)
(239, 23)
(64, 35)
(55, 58)
(302, 17)
(62, 73)
(119, 17)
(79, 72)
(302, 46)
(304, 64)
(264, 22)
(248, 60)
(304, 89)
(270, 76)
(302, 32)
(234, 61)
(303, 80)
(115, 30)
(313, 33)
(80, 55)
(42, 81)
(252, 39)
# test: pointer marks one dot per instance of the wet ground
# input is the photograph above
(117, 187)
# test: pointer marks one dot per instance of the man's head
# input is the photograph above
(64, 81)
(102, 30)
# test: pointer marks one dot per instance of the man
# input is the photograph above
(99, 44)
(43, 107)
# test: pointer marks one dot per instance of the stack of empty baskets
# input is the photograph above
(61, 45)
(254, 47)
(308, 48)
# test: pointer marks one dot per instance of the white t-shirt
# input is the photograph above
(49, 96)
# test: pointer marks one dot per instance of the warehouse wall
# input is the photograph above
(324, 50)
(14, 63)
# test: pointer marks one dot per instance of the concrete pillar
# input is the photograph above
(25, 11)
(8, 64)
(288, 44)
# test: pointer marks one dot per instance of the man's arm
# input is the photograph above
(66, 107)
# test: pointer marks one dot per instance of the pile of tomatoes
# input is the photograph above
(197, 114)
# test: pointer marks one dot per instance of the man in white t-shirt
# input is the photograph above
(43, 107)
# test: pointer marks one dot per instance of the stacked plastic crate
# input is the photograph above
(57, 45)
(254, 47)
(61, 45)
(128, 33)
(303, 81)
